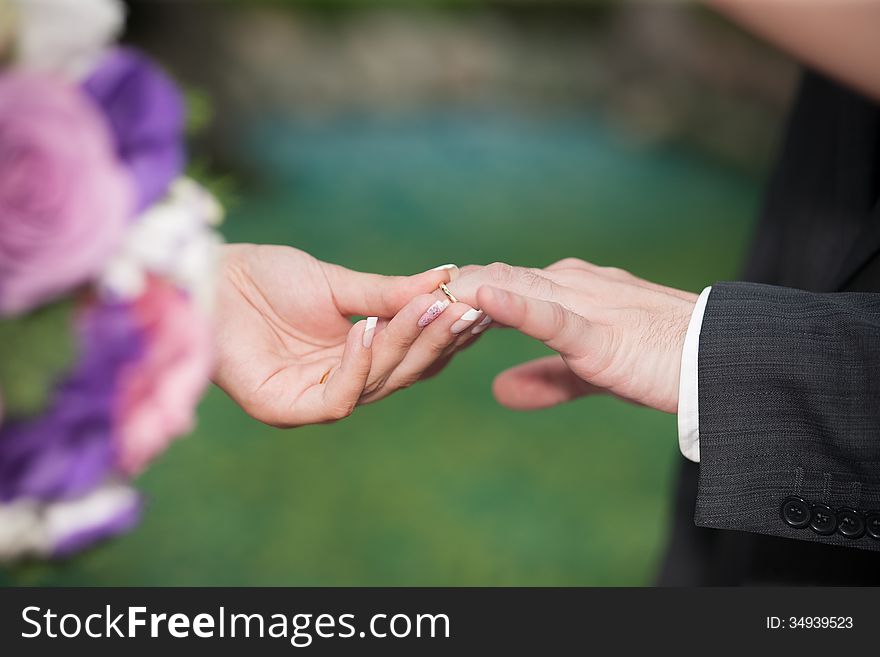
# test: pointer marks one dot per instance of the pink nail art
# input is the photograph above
(433, 313)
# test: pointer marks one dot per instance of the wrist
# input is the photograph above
(676, 338)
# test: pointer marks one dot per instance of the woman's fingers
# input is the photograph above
(551, 323)
(335, 395)
(461, 327)
(420, 339)
(394, 340)
(343, 388)
(430, 347)
(416, 340)
(540, 383)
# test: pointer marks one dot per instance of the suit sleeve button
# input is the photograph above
(872, 524)
(795, 512)
(823, 520)
(850, 523)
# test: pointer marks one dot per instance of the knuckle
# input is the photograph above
(373, 386)
(436, 349)
(616, 273)
(422, 301)
(499, 272)
(398, 342)
(568, 263)
(404, 381)
(530, 277)
(536, 283)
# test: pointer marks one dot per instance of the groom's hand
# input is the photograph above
(287, 351)
(614, 332)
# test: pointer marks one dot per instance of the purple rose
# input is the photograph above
(146, 114)
(69, 449)
(64, 197)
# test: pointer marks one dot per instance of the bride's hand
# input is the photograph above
(421, 340)
(286, 349)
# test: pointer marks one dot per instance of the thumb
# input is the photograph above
(538, 384)
(358, 293)
(551, 323)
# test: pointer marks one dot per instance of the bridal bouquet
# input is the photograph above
(106, 270)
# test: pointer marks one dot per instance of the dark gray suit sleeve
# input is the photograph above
(789, 413)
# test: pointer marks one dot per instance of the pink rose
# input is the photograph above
(161, 391)
(64, 196)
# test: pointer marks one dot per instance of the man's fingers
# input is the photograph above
(572, 263)
(540, 383)
(522, 280)
(554, 325)
(357, 293)
(570, 271)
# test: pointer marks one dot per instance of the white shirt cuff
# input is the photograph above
(688, 399)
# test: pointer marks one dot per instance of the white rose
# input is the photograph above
(66, 36)
(21, 531)
(31, 528)
(173, 239)
(97, 512)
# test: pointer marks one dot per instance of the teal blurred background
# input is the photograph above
(565, 135)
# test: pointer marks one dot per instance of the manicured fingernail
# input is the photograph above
(369, 331)
(449, 266)
(465, 320)
(433, 312)
(482, 326)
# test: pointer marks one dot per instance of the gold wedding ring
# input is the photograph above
(450, 295)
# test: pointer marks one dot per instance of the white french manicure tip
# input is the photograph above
(482, 326)
(369, 331)
(465, 320)
(449, 266)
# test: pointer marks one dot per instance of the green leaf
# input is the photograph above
(199, 111)
(35, 351)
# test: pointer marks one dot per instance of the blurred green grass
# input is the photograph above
(439, 485)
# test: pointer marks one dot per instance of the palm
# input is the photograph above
(280, 330)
